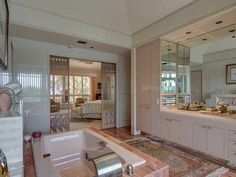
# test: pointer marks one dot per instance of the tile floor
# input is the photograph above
(77, 124)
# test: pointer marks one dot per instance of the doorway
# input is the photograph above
(83, 94)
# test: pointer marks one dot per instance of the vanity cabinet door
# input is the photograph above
(144, 121)
(165, 128)
(144, 94)
(170, 129)
(175, 130)
(215, 141)
(200, 137)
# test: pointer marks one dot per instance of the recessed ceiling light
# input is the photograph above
(204, 39)
(188, 32)
(219, 22)
(169, 49)
(91, 47)
(233, 36)
(232, 30)
(81, 42)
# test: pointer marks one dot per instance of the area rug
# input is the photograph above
(181, 164)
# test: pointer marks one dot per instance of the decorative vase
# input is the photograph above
(5, 102)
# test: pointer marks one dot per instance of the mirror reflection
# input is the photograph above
(199, 73)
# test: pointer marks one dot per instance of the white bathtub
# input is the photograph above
(67, 154)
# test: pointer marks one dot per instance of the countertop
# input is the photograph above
(202, 113)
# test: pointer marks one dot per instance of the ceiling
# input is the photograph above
(85, 65)
(61, 39)
(123, 16)
(206, 28)
(213, 36)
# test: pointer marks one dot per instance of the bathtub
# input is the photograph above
(63, 154)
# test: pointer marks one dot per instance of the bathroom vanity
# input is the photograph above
(206, 132)
(11, 139)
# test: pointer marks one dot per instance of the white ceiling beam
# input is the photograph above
(24, 16)
(187, 15)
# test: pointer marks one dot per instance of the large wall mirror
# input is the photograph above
(208, 72)
(4, 32)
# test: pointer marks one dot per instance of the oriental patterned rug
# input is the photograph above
(181, 164)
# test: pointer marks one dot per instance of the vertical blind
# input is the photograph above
(31, 70)
(108, 95)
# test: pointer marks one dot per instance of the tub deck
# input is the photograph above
(145, 169)
(152, 168)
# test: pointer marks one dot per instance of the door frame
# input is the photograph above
(116, 89)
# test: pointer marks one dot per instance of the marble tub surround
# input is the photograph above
(143, 164)
(152, 168)
(123, 134)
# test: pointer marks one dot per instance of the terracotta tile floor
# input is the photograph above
(123, 133)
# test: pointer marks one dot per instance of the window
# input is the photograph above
(79, 86)
(58, 87)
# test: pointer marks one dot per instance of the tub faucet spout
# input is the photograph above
(102, 144)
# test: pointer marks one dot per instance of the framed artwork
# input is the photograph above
(4, 34)
(231, 74)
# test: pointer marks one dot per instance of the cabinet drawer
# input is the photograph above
(232, 156)
(232, 145)
(231, 135)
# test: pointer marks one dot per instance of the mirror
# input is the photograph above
(213, 66)
(203, 58)
(175, 73)
(4, 31)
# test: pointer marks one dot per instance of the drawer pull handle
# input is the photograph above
(46, 155)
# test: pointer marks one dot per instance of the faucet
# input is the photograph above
(130, 170)
(102, 144)
(3, 165)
